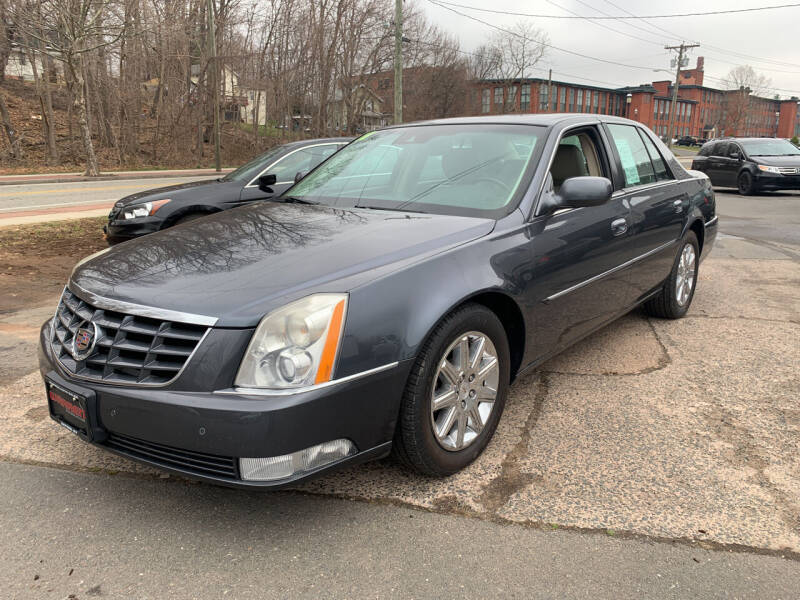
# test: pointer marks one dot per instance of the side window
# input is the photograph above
(662, 173)
(287, 167)
(576, 156)
(705, 150)
(634, 158)
(734, 149)
(720, 149)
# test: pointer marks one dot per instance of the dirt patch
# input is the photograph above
(35, 260)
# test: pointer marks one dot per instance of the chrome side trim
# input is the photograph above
(238, 391)
(711, 221)
(140, 310)
(643, 188)
(609, 272)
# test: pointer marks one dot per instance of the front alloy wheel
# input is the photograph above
(455, 393)
(464, 390)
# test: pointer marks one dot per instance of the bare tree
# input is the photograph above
(512, 55)
(742, 82)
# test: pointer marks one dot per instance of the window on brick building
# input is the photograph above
(486, 99)
(580, 100)
(562, 99)
(525, 97)
(595, 101)
(555, 98)
(498, 95)
(571, 100)
(512, 96)
(543, 97)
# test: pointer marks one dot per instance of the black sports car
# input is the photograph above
(385, 303)
(266, 176)
(750, 164)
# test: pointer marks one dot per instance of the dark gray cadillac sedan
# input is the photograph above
(384, 303)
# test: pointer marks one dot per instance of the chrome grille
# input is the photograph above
(129, 349)
(789, 170)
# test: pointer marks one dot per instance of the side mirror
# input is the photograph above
(578, 192)
(299, 175)
(735, 155)
(265, 182)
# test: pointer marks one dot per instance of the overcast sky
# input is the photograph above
(766, 38)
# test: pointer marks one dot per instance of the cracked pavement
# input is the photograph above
(681, 430)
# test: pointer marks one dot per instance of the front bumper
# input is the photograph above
(774, 181)
(180, 431)
(125, 229)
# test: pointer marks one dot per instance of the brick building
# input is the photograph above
(702, 111)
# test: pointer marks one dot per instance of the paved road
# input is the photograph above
(771, 217)
(44, 196)
(66, 534)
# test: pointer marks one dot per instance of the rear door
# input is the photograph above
(285, 168)
(658, 203)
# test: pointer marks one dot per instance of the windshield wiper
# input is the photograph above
(295, 200)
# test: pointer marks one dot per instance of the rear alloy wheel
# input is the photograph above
(674, 299)
(745, 184)
(455, 393)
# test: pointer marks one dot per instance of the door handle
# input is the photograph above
(619, 226)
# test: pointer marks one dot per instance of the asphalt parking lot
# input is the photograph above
(668, 432)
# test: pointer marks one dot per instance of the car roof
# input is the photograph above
(542, 120)
(302, 143)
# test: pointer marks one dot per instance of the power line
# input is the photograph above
(707, 45)
(514, 33)
(591, 20)
(672, 16)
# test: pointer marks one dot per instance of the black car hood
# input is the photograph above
(193, 189)
(239, 264)
(777, 161)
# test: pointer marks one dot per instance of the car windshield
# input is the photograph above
(468, 170)
(247, 171)
(770, 148)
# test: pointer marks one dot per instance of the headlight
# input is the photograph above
(769, 169)
(296, 345)
(145, 209)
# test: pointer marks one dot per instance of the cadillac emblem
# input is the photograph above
(83, 343)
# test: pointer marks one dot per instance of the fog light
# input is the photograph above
(280, 467)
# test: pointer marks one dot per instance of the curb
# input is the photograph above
(77, 178)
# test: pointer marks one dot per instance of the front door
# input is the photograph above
(578, 275)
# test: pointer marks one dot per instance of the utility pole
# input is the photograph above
(212, 52)
(398, 62)
(673, 105)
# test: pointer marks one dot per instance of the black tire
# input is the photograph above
(188, 218)
(665, 305)
(745, 183)
(415, 444)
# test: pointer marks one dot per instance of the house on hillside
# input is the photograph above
(19, 65)
(356, 111)
(238, 102)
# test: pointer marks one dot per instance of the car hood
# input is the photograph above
(239, 264)
(209, 187)
(777, 161)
